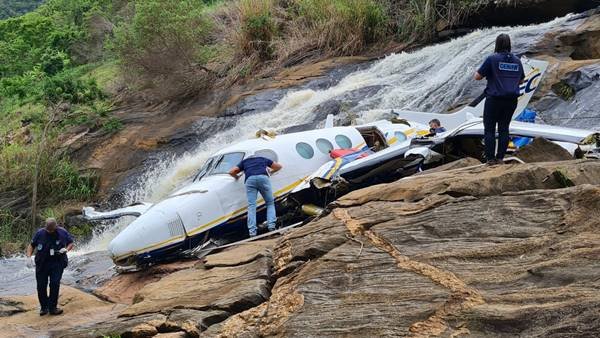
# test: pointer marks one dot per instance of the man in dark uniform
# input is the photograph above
(257, 180)
(51, 244)
(504, 74)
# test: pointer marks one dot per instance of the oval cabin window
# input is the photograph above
(400, 136)
(324, 146)
(305, 150)
(343, 141)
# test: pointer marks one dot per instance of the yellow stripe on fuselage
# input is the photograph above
(211, 223)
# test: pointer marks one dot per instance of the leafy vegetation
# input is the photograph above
(60, 63)
(9, 8)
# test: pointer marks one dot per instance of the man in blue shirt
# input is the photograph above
(435, 127)
(51, 244)
(257, 180)
(504, 74)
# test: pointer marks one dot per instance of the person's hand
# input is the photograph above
(63, 250)
(30, 262)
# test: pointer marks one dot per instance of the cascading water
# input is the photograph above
(431, 79)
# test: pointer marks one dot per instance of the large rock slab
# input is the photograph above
(226, 288)
(22, 318)
(499, 259)
(123, 287)
(478, 181)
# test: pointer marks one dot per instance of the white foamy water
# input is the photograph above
(430, 79)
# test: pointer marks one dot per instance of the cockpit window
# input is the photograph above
(225, 163)
(205, 168)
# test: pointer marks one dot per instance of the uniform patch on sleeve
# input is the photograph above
(511, 67)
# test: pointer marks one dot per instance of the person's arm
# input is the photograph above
(70, 241)
(522, 73)
(275, 167)
(234, 172)
(32, 244)
(483, 71)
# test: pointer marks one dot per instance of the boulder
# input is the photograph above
(542, 150)
(478, 181)
(123, 287)
(229, 288)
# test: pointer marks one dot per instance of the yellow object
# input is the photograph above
(311, 210)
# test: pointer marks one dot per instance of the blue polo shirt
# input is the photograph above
(254, 165)
(504, 73)
(43, 241)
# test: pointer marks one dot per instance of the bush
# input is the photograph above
(257, 28)
(341, 27)
(161, 47)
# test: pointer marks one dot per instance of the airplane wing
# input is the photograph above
(136, 210)
(526, 129)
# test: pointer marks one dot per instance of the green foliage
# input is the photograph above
(162, 45)
(9, 8)
(257, 27)
(13, 228)
(343, 26)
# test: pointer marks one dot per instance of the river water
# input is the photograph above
(435, 79)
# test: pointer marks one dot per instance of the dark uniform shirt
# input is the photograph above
(504, 73)
(254, 165)
(48, 245)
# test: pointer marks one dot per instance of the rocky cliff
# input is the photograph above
(508, 251)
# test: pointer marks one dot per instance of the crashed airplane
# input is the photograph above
(319, 166)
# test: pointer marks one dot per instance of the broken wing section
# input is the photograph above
(135, 210)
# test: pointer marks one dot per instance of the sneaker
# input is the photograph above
(491, 162)
(56, 312)
(43, 312)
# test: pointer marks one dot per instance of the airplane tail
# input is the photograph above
(534, 70)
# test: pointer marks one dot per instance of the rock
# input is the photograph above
(542, 150)
(136, 327)
(179, 334)
(80, 308)
(461, 163)
(199, 320)
(503, 260)
(240, 255)
(478, 181)
(123, 287)
(230, 289)
(9, 308)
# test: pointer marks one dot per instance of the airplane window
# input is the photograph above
(305, 150)
(267, 153)
(343, 141)
(205, 168)
(400, 136)
(324, 145)
(226, 162)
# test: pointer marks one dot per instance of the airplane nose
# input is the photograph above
(149, 232)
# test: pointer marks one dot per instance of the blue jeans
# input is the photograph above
(255, 184)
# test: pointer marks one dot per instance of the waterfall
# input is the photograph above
(431, 79)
